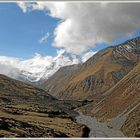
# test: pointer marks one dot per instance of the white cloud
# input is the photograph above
(37, 67)
(9, 66)
(24, 6)
(44, 39)
(85, 24)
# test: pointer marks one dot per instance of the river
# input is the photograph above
(98, 129)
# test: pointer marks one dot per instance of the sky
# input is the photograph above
(21, 34)
(37, 38)
(44, 28)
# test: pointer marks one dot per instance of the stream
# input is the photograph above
(98, 129)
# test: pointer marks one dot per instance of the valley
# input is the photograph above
(98, 98)
(26, 111)
(69, 69)
(110, 81)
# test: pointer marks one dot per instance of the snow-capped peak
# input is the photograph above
(38, 67)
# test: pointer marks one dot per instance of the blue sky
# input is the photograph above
(20, 32)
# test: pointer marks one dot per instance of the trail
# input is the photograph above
(98, 129)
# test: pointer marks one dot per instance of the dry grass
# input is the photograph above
(66, 126)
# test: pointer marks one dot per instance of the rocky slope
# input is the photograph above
(124, 95)
(27, 111)
(62, 75)
(121, 97)
(120, 105)
(131, 126)
(97, 75)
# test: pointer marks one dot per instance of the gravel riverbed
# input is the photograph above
(98, 129)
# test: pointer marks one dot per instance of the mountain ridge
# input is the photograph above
(111, 64)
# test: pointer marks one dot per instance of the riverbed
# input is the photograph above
(98, 129)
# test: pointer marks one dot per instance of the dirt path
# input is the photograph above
(98, 129)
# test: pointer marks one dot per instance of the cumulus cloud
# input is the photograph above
(44, 39)
(85, 24)
(9, 71)
(9, 66)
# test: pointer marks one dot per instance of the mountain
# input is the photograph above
(39, 67)
(121, 96)
(97, 75)
(27, 111)
(55, 82)
(42, 68)
(120, 107)
(110, 80)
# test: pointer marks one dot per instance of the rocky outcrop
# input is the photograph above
(131, 127)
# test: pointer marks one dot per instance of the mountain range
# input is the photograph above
(106, 86)
(97, 75)
(110, 80)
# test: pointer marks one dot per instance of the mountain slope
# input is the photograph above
(98, 74)
(120, 105)
(59, 77)
(27, 111)
(124, 95)
(131, 127)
